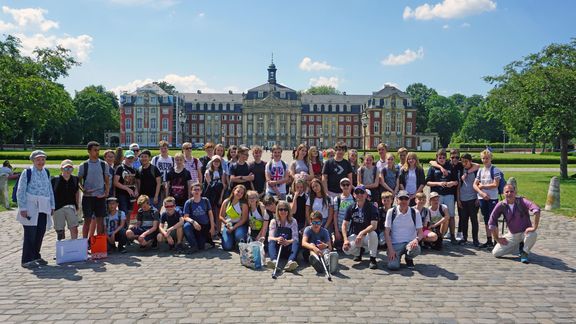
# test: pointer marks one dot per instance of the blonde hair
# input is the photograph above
(283, 204)
(486, 153)
(142, 199)
(411, 155)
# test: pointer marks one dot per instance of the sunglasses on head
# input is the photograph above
(316, 222)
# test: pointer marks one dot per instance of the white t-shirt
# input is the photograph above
(319, 206)
(164, 165)
(411, 181)
(276, 171)
(485, 178)
(403, 230)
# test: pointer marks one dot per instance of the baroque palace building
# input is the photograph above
(270, 114)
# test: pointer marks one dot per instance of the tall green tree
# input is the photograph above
(444, 118)
(97, 113)
(322, 90)
(480, 125)
(539, 91)
(420, 94)
(30, 97)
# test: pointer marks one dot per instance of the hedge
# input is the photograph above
(72, 154)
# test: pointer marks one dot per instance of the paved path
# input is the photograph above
(460, 284)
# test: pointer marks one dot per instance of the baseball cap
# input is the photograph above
(114, 199)
(402, 193)
(129, 154)
(37, 153)
(66, 163)
(434, 194)
(134, 146)
(360, 188)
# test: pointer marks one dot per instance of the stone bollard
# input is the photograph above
(513, 182)
(553, 198)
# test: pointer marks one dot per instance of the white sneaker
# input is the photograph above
(271, 264)
(459, 236)
(447, 235)
(291, 266)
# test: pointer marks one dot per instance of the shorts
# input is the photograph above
(448, 200)
(63, 216)
(94, 207)
(140, 230)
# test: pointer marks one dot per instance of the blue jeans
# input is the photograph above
(402, 249)
(293, 250)
(486, 208)
(229, 240)
(33, 236)
(197, 238)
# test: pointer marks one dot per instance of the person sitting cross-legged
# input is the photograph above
(317, 239)
(403, 232)
(173, 233)
(146, 227)
(516, 211)
(284, 234)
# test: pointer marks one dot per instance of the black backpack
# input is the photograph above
(412, 212)
(85, 173)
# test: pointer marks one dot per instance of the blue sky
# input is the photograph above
(356, 46)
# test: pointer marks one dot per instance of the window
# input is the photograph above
(260, 94)
(293, 117)
(322, 108)
(129, 138)
(314, 108)
(224, 117)
(376, 114)
(409, 128)
(292, 130)
(193, 129)
(282, 95)
(204, 107)
(408, 142)
(356, 133)
(213, 106)
(194, 117)
(208, 129)
(399, 142)
(201, 117)
(318, 118)
(375, 142)
(304, 118)
(355, 119)
(165, 137)
(153, 123)
(139, 100)
(341, 119)
(250, 129)
(128, 110)
(152, 101)
(216, 117)
(345, 108)
(165, 111)
(341, 129)
(138, 123)
(231, 129)
(283, 117)
(333, 129)
(128, 124)
(139, 110)
(304, 131)
(409, 114)
(318, 130)
(330, 108)
(165, 124)
(333, 119)
(238, 129)
(201, 129)
(348, 118)
(153, 138)
(376, 127)
(338, 108)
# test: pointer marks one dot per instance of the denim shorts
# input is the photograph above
(140, 230)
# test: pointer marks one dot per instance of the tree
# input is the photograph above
(322, 90)
(444, 118)
(169, 88)
(536, 95)
(481, 126)
(420, 94)
(97, 113)
(30, 97)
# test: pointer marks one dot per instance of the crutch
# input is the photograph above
(328, 275)
(277, 261)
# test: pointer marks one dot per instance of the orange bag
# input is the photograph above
(98, 247)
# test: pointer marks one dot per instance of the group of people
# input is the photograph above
(316, 204)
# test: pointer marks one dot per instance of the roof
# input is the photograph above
(335, 99)
(150, 87)
(266, 87)
(212, 97)
(387, 91)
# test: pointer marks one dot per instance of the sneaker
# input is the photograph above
(41, 261)
(179, 248)
(459, 236)
(271, 264)
(487, 245)
(358, 258)
(154, 244)
(453, 239)
(291, 266)
(122, 249)
(170, 247)
(447, 235)
(373, 264)
(409, 263)
(524, 257)
(30, 265)
(476, 244)
(192, 249)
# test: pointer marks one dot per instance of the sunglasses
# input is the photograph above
(316, 222)
(283, 209)
(169, 206)
(68, 168)
(135, 150)
(359, 192)
(345, 185)
(187, 148)
(403, 198)
(454, 157)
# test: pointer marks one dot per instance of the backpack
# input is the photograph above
(152, 170)
(502, 182)
(412, 211)
(374, 171)
(28, 178)
(85, 173)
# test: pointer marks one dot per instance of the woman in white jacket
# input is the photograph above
(35, 207)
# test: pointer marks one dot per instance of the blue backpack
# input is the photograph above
(28, 177)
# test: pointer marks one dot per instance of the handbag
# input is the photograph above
(252, 254)
(98, 247)
(71, 251)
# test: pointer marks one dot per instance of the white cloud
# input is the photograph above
(449, 9)
(30, 18)
(407, 57)
(79, 46)
(445, 26)
(465, 25)
(326, 81)
(201, 15)
(308, 65)
(156, 4)
(35, 31)
(183, 83)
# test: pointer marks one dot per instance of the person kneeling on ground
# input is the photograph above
(114, 223)
(198, 220)
(317, 239)
(146, 227)
(403, 232)
(430, 236)
(173, 234)
(284, 232)
(516, 211)
(361, 221)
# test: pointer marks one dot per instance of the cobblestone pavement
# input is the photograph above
(460, 284)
